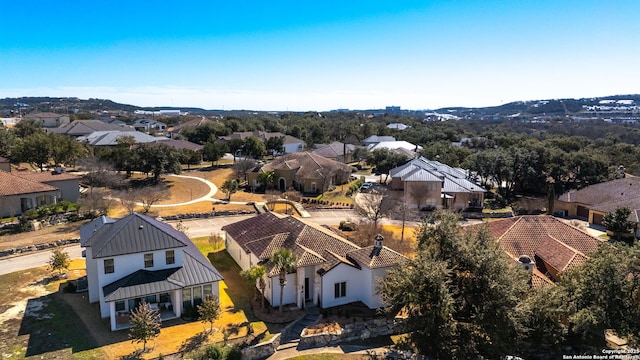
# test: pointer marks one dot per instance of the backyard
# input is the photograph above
(41, 320)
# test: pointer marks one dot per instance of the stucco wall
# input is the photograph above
(342, 273)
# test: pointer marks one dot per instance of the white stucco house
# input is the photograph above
(138, 258)
(329, 270)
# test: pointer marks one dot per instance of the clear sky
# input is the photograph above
(319, 55)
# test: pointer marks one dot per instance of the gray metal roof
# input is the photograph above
(133, 234)
(110, 138)
(143, 282)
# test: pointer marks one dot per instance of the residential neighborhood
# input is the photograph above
(179, 221)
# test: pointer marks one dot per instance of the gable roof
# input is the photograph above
(608, 191)
(453, 180)
(192, 124)
(110, 138)
(392, 145)
(182, 144)
(555, 242)
(308, 165)
(375, 257)
(46, 176)
(373, 139)
(333, 150)
(144, 282)
(135, 233)
(11, 184)
(86, 127)
(45, 115)
(313, 245)
(263, 136)
(608, 196)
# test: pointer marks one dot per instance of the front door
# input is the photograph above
(307, 292)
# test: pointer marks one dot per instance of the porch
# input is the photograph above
(166, 310)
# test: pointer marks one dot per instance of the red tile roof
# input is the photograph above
(45, 176)
(555, 242)
(11, 184)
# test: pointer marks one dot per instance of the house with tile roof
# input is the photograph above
(594, 201)
(304, 171)
(329, 270)
(24, 190)
(138, 258)
(374, 139)
(291, 144)
(436, 185)
(553, 245)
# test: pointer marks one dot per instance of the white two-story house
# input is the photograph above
(138, 258)
(329, 270)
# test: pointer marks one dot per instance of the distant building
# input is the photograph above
(49, 120)
(393, 110)
(397, 126)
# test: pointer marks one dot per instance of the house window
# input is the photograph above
(186, 298)
(340, 289)
(170, 257)
(109, 267)
(431, 202)
(197, 295)
(164, 298)
(207, 290)
(148, 260)
(119, 305)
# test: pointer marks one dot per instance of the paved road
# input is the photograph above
(35, 259)
(195, 228)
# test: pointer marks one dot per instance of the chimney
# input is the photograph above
(378, 241)
(526, 262)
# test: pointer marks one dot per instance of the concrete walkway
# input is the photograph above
(213, 189)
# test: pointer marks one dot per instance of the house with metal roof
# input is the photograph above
(428, 183)
(329, 270)
(138, 258)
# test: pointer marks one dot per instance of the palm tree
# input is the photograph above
(283, 260)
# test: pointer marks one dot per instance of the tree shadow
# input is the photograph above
(193, 342)
(49, 327)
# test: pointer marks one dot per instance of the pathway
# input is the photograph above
(208, 197)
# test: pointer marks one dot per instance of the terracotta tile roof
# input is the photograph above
(555, 253)
(376, 257)
(308, 165)
(11, 184)
(312, 244)
(46, 176)
(553, 241)
(539, 280)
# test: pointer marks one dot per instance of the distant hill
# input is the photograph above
(615, 105)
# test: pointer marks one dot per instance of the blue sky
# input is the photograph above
(299, 55)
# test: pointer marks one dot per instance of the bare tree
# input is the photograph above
(150, 195)
(419, 192)
(96, 202)
(127, 200)
(242, 167)
(375, 205)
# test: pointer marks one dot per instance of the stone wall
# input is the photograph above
(37, 247)
(356, 331)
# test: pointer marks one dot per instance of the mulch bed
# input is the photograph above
(272, 315)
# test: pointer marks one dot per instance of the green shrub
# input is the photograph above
(71, 287)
